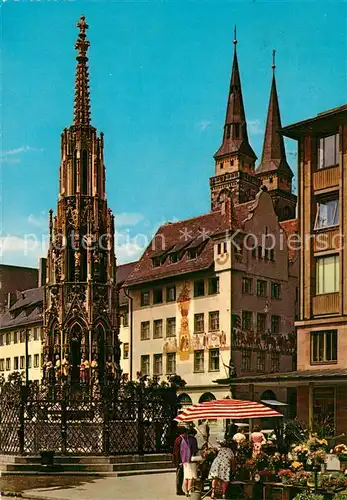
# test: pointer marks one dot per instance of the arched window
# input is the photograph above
(268, 396)
(184, 400)
(207, 396)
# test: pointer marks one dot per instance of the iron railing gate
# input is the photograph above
(85, 420)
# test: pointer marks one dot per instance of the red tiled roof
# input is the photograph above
(171, 234)
(123, 272)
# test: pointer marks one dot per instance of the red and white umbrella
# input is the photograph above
(234, 409)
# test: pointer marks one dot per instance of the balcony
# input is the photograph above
(326, 178)
(325, 304)
(330, 239)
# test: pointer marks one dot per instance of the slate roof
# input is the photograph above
(235, 114)
(274, 154)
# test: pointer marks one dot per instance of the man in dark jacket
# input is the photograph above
(178, 462)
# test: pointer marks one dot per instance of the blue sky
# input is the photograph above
(159, 81)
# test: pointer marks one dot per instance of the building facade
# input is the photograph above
(212, 297)
(216, 295)
(322, 324)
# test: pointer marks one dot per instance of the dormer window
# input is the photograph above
(156, 261)
(228, 129)
(192, 253)
(173, 258)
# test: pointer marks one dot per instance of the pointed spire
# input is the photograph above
(235, 137)
(82, 101)
(274, 154)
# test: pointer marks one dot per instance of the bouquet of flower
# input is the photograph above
(301, 452)
(299, 478)
(250, 464)
(262, 461)
(315, 444)
(317, 456)
(296, 466)
(245, 449)
(285, 473)
(341, 451)
(279, 461)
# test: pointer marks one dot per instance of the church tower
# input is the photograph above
(80, 320)
(235, 159)
(273, 170)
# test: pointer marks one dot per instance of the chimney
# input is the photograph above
(11, 299)
(42, 272)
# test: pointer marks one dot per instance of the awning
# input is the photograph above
(234, 409)
(273, 402)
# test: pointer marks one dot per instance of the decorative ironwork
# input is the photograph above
(114, 418)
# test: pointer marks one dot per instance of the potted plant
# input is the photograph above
(333, 482)
(284, 475)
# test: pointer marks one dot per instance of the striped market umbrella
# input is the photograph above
(234, 409)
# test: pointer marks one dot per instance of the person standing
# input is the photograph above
(205, 430)
(178, 462)
(239, 437)
(188, 448)
(257, 439)
(230, 431)
(222, 467)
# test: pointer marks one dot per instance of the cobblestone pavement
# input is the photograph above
(151, 487)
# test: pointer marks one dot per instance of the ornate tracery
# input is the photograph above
(80, 319)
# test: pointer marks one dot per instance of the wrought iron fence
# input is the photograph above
(85, 419)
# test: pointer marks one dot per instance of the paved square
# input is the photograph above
(151, 487)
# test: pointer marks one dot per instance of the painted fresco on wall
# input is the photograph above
(205, 341)
(184, 341)
(170, 345)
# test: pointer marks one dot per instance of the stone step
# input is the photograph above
(89, 474)
(112, 459)
(142, 466)
(88, 467)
